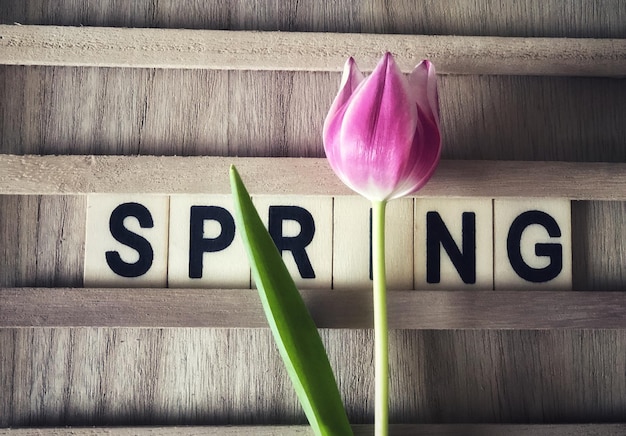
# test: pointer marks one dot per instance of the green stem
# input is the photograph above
(381, 354)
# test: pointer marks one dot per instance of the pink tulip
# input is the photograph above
(381, 135)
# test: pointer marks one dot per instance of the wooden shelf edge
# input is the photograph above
(224, 308)
(52, 175)
(359, 430)
(296, 51)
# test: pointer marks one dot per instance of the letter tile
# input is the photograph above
(352, 243)
(206, 250)
(453, 243)
(302, 230)
(533, 244)
(126, 240)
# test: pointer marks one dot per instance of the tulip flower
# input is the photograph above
(381, 135)
(382, 139)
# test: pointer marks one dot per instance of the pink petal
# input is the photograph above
(350, 79)
(423, 84)
(425, 154)
(382, 135)
(379, 125)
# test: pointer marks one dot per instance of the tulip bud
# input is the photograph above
(381, 135)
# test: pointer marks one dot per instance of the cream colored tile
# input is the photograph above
(205, 249)
(453, 243)
(533, 244)
(302, 226)
(126, 241)
(352, 243)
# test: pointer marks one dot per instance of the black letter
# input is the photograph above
(295, 244)
(437, 233)
(553, 251)
(198, 244)
(132, 240)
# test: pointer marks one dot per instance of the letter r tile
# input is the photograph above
(533, 244)
(453, 243)
(352, 249)
(302, 230)
(126, 240)
(205, 249)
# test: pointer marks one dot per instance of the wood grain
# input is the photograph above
(114, 376)
(186, 376)
(63, 110)
(194, 376)
(534, 376)
(359, 430)
(599, 245)
(533, 118)
(549, 18)
(293, 51)
(42, 240)
(222, 308)
(52, 175)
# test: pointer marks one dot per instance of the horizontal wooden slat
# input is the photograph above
(359, 430)
(51, 175)
(224, 308)
(242, 50)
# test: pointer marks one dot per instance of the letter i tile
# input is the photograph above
(533, 244)
(453, 243)
(205, 247)
(301, 227)
(352, 243)
(126, 240)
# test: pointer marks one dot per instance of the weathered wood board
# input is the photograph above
(105, 375)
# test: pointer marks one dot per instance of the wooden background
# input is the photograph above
(132, 376)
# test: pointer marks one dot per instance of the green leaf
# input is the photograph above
(294, 331)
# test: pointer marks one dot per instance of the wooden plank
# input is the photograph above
(114, 111)
(51, 175)
(224, 308)
(293, 51)
(359, 430)
(142, 376)
(588, 19)
(41, 240)
(177, 376)
(599, 245)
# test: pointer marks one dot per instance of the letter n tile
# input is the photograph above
(453, 243)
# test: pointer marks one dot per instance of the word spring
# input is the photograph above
(183, 241)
